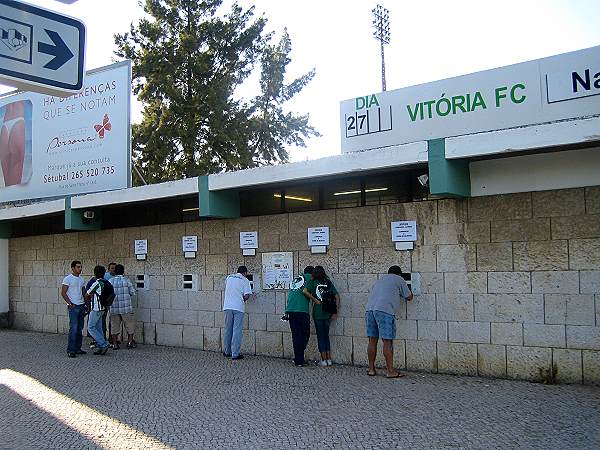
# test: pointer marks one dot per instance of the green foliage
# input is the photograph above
(187, 63)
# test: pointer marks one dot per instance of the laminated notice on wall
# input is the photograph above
(404, 231)
(277, 270)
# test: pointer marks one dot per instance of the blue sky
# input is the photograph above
(430, 40)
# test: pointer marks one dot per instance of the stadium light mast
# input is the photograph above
(381, 23)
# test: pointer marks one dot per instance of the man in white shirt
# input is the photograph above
(237, 292)
(72, 294)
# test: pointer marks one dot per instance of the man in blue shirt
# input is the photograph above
(384, 300)
(110, 271)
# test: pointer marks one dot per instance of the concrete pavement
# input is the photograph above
(162, 397)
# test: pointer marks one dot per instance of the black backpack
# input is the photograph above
(107, 295)
(327, 299)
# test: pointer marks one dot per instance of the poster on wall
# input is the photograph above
(277, 270)
(53, 146)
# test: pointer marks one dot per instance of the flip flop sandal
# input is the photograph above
(371, 374)
(398, 375)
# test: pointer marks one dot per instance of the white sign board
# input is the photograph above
(404, 231)
(189, 243)
(40, 50)
(545, 90)
(140, 246)
(63, 146)
(318, 236)
(277, 270)
(248, 239)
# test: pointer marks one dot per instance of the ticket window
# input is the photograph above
(190, 282)
(141, 282)
(414, 282)
(408, 278)
(250, 278)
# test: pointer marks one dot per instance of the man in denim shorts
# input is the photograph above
(384, 300)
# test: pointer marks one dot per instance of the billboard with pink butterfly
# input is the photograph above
(53, 147)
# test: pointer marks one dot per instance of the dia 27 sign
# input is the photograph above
(545, 90)
(54, 146)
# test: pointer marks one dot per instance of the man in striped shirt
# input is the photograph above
(92, 297)
(121, 311)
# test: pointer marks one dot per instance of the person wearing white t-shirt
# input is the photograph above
(237, 292)
(72, 294)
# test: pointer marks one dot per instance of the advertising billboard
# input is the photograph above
(560, 87)
(53, 146)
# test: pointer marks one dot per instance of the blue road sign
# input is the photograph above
(40, 50)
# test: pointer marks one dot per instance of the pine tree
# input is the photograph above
(187, 61)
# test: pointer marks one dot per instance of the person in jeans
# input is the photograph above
(72, 294)
(320, 281)
(382, 305)
(297, 311)
(237, 292)
(121, 311)
(96, 309)
(110, 272)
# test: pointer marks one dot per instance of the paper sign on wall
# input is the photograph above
(318, 236)
(189, 243)
(248, 239)
(140, 246)
(404, 231)
(277, 269)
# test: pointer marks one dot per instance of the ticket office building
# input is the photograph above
(505, 268)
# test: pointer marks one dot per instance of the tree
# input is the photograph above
(187, 62)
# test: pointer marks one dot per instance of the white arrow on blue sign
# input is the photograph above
(40, 50)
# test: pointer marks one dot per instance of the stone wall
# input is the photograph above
(510, 284)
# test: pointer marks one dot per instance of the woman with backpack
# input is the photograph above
(297, 312)
(321, 289)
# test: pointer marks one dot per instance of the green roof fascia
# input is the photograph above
(447, 177)
(74, 219)
(5, 230)
(217, 204)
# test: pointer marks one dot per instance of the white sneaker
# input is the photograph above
(329, 362)
(323, 363)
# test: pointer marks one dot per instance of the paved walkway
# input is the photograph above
(158, 397)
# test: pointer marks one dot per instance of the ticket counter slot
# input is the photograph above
(190, 282)
(414, 282)
(142, 282)
(408, 278)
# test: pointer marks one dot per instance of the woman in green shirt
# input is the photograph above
(314, 289)
(297, 311)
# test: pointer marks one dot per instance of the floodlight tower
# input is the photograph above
(381, 23)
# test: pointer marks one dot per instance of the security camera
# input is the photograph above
(423, 179)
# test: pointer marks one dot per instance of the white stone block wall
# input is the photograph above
(510, 284)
